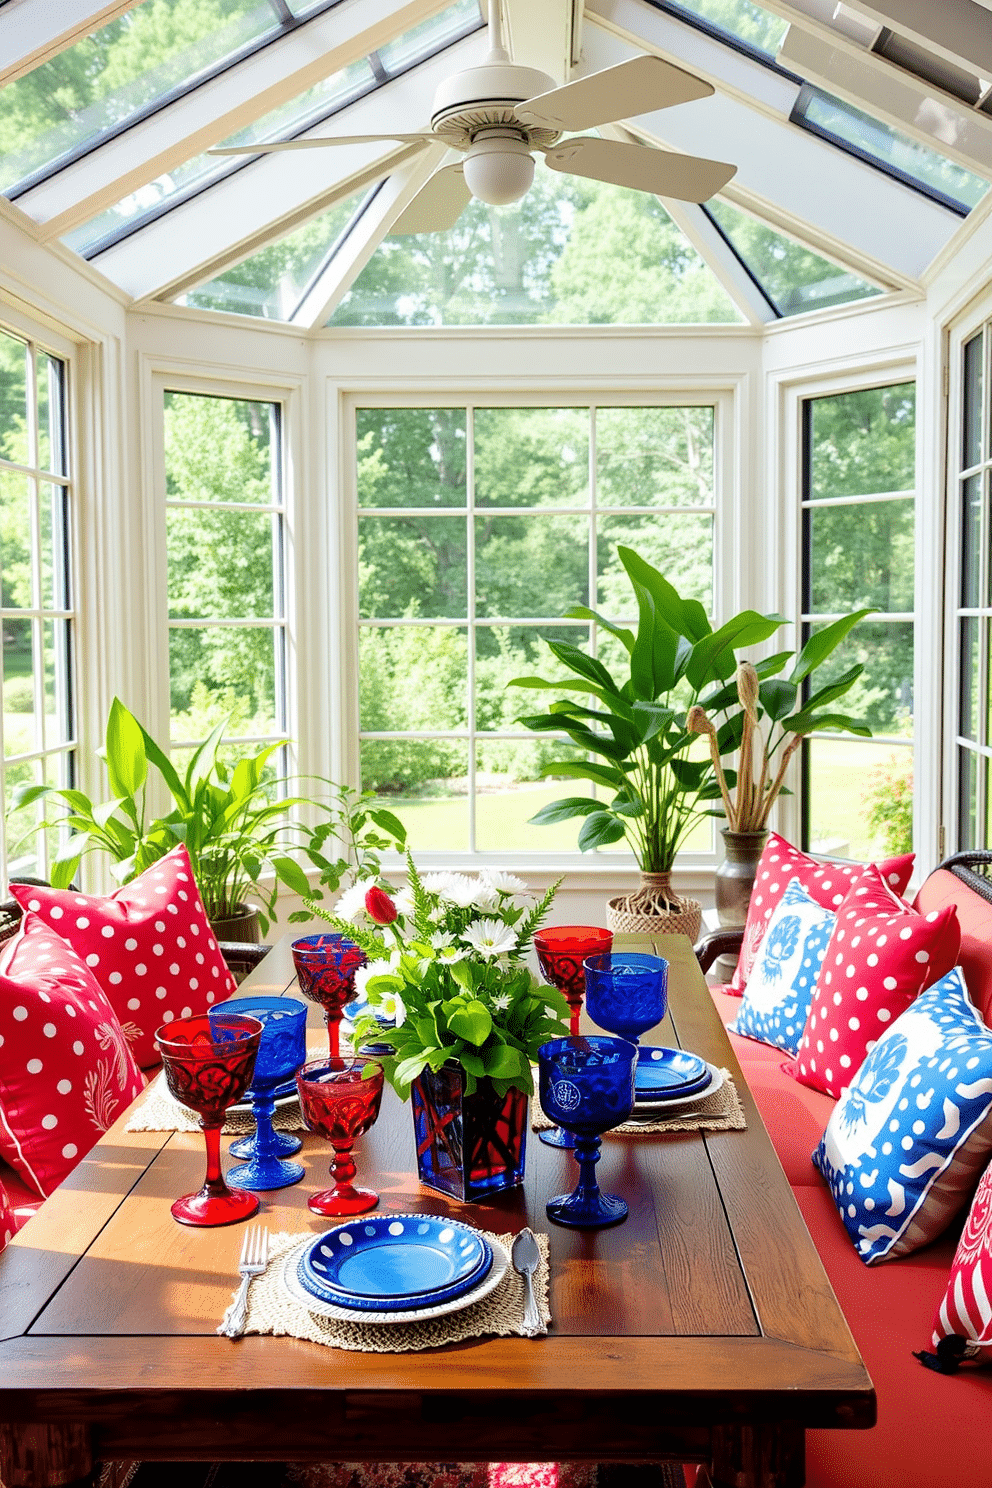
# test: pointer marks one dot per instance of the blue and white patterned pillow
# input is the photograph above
(910, 1135)
(779, 989)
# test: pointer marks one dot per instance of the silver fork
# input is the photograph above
(254, 1259)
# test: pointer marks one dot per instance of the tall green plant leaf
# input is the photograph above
(823, 642)
(127, 765)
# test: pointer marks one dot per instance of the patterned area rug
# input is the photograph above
(387, 1475)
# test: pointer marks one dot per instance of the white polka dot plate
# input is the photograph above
(394, 1261)
(294, 1289)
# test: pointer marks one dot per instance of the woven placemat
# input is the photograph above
(272, 1310)
(160, 1111)
(721, 1111)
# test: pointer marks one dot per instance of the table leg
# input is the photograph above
(767, 1455)
(37, 1455)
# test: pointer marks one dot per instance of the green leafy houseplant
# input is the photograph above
(446, 967)
(635, 727)
(237, 837)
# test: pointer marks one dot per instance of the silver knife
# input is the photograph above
(526, 1258)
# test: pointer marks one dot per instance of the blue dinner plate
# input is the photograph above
(665, 1072)
(395, 1262)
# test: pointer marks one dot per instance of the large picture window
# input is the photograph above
(858, 511)
(226, 587)
(36, 598)
(478, 528)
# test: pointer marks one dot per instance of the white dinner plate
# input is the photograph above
(298, 1293)
(655, 1110)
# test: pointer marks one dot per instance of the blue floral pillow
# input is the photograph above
(912, 1132)
(779, 989)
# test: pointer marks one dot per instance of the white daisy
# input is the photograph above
(490, 938)
(502, 1001)
(380, 967)
(503, 883)
(351, 905)
(391, 1006)
(461, 890)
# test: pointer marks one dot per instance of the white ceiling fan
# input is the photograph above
(498, 114)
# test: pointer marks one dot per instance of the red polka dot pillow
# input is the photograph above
(7, 1225)
(149, 946)
(881, 956)
(66, 1072)
(825, 883)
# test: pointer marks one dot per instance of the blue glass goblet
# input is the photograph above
(587, 1086)
(626, 992)
(282, 1049)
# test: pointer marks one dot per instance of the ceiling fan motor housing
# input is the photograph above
(485, 98)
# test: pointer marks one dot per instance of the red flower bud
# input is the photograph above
(380, 906)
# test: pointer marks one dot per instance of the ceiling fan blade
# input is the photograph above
(319, 144)
(686, 177)
(622, 92)
(437, 205)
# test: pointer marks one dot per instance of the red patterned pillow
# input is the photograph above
(966, 1311)
(6, 1219)
(825, 883)
(66, 1072)
(149, 946)
(881, 956)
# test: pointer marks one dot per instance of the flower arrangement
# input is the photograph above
(447, 970)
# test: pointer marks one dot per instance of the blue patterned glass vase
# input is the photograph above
(468, 1146)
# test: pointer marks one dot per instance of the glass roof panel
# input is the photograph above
(175, 186)
(287, 121)
(133, 62)
(273, 283)
(926, 169)
(572, 252)
(793, 278)
(740, 20)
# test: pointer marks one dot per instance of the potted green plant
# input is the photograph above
(637, 734)
(243, 844)
(465, 1015)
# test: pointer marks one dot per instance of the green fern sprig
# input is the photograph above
(535, 916)
(423, 925)
(367, 940)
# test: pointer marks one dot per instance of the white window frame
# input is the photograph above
(43, 338)
(727, 396)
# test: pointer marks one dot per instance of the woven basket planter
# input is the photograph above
(655, 909)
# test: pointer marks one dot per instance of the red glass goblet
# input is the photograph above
(340, 1100)
(561, 950)
(325, 969)
(209, 1062)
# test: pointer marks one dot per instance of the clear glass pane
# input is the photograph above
(58, 770)
(219, 449)
(862, 555)
(541, 262)
(741, 20)
(220, 672)
(429, 36)
(21, 724)
(56, 637)
(531, 456)
(654, 456)
(969, 678)
(886, 145)
(861, 798)
(220, 564)
(531, 565)
(413, 677)
(273, 283)
(24, 842)
(510, 790)
(13, 398)
(108, 77)
(504, 652)
(185, 180)
(882, 696)
(15, 540)
(971, 541)
(53, 510)
(971, 401)
(680, 545)
(793, 277)
(864, 442)
(412, 566)
(967, 799)
(411, 457)
(426, 784)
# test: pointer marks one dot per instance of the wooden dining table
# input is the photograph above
(702, 1329)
